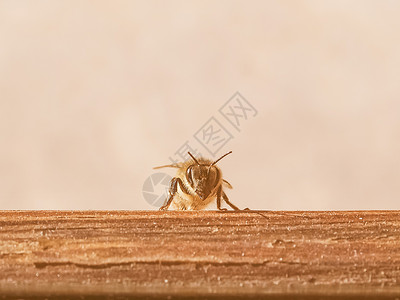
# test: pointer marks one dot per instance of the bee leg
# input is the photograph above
(228, 202)
(219, 192)
(172, 190)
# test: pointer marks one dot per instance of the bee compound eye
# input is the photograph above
(213, 176)
(189, 175)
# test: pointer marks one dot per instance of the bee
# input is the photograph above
(197, 183)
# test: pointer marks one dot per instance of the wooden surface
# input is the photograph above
(216, 254)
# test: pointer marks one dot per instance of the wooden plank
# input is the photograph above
(346, 254)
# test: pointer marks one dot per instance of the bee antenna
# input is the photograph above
(193, 158)
(220, 158)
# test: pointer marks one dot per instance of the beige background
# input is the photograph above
(93, 94)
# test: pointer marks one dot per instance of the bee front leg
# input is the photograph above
(228, 202)
(172, 191)
(219, 192)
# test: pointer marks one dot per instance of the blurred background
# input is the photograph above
(93, 94)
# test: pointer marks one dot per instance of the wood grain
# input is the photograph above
(154, 254)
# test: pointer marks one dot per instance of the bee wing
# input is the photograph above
(169, 166)
(227, 184)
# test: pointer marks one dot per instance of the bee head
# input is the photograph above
(203, 178)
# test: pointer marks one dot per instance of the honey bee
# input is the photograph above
(197, 183)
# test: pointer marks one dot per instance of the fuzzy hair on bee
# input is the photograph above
(198, 182)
